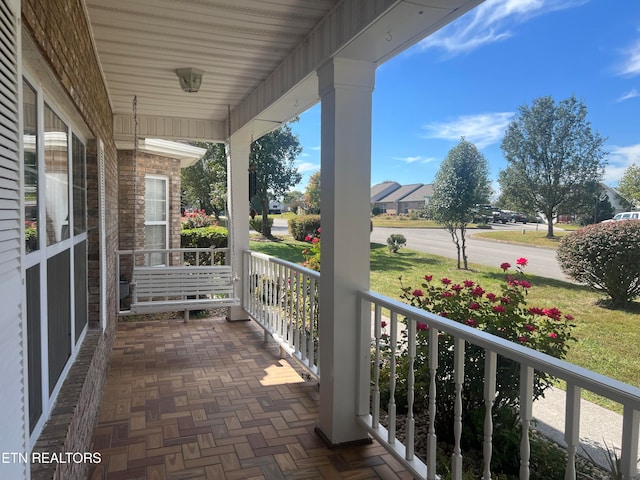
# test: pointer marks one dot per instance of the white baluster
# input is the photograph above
(377, 322)
(458, 378)
(526, 404)
(411, 388)
(572, 429)
(431, 438)
(630, 431)
(490, 364)
(312, 317)
(392, 378)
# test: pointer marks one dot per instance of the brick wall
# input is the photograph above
(62, 36)
(131, 207)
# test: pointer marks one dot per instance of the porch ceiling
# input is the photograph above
(258, 56)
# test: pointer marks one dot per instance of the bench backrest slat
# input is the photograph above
(178, 281)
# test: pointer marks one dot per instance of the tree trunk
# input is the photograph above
(549, 224)
(266, 230)
(464, 247)
(454, 239)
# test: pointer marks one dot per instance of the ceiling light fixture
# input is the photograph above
(190, 79)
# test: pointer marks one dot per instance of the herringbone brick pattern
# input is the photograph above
(209, 400)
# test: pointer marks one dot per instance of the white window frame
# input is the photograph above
(164, 222)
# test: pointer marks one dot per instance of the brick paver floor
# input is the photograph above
(209, 400)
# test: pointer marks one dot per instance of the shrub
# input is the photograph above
(196, 219)
(395, 242)
(504, 314)
(204, 237)
(302, 226)
(312, 253)
(256, 223)
(606, 257)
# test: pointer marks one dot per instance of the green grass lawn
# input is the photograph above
(607, 339)
(537, 238)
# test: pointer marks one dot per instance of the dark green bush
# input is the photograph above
(301, 226)
(204, 237)
(395, 242)
(606, 257)
(256, 223)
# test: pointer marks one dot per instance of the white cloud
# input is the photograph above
(619, 159)
(315, 148)
(416, 159)
(631, 64)
(482, 130)
(307, 167)
(491, 22)
(630, 94)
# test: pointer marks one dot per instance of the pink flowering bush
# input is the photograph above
(503, 313)
(311, 254)
(197, 219)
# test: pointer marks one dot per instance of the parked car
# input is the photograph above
(519, 217)
(623, 216)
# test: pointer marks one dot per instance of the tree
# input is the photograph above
(312, 193)
(273, 156)
(629, 185)
(204, 184)
(552, 156)
(294, 200)
(461, 183)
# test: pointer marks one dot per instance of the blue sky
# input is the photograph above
(470, 78)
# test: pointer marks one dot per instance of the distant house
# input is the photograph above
(381, 190)
(393, 198)
(617, 201)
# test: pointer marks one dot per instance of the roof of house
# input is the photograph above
(399, 193)
(419, 194)
(382, 189)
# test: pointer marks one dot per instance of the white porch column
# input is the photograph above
(345, 88)
(238, 150)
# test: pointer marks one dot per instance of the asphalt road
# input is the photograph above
(542, 261)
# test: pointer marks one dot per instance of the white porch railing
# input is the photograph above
(576, 378)
(282, 297)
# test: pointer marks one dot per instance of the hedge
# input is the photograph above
(302, 225)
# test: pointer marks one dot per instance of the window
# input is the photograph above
(30, 139)
(56, 167)
(79, 187)
(155, 216)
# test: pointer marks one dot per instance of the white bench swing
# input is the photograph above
(176, 285)
(181, 288)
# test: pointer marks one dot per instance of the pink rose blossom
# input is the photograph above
(418, 293)
(499, 309)
(530, 327)
(523, 339)
(422, 326)
(469, 283)
(472, 323)
(445, 281)
(522, 262)
(505, 266)
(474, 306)
(553, 335)
(428, 278)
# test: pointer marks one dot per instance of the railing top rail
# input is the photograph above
(615, 390)
(172, 250)
(285, 263)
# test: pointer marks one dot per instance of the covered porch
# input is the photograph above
(210, 399)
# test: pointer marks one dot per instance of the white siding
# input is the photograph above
(12, 393)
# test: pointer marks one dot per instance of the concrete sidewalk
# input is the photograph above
(597, 426)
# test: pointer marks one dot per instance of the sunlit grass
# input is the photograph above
(607, 340)
(537, 238)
